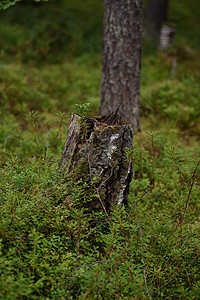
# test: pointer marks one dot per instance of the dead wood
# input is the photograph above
(95, 152)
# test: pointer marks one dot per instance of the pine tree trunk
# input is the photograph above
(121, 63)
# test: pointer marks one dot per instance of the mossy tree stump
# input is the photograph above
(95, 151)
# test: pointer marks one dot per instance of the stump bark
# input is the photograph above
(95, 151)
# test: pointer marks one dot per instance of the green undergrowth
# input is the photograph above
(49, 88)
(51, 245)
(52, 248)
(40, 31)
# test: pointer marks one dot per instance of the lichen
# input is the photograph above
(99, 160)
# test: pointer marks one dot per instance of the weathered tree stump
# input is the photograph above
(167, 36)
(95, 151)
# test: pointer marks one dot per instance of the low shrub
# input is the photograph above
(52, 247)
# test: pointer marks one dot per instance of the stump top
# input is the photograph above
(111, 120)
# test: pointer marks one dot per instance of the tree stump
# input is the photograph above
(167, 36)
(95, 151)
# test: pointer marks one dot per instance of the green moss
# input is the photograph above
(82, 170)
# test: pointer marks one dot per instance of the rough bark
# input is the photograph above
(121, 62)
(155, 16)
(95, 152)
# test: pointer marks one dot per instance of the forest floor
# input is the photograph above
(48, 248)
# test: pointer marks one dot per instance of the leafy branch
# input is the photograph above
(6, 3)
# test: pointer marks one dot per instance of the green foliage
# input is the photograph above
(4, 4)
(51, 245)
(186, 17)
(83, 109)
(50, 88)
(49, 31)
(175, 101)
(166, 193)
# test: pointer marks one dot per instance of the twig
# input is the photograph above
(187, 262)
(141, 238)
(140, 199)
(187, 201)
(187, 234)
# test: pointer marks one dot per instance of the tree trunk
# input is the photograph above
(121, 62)
(95, 152)
(155, 16)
